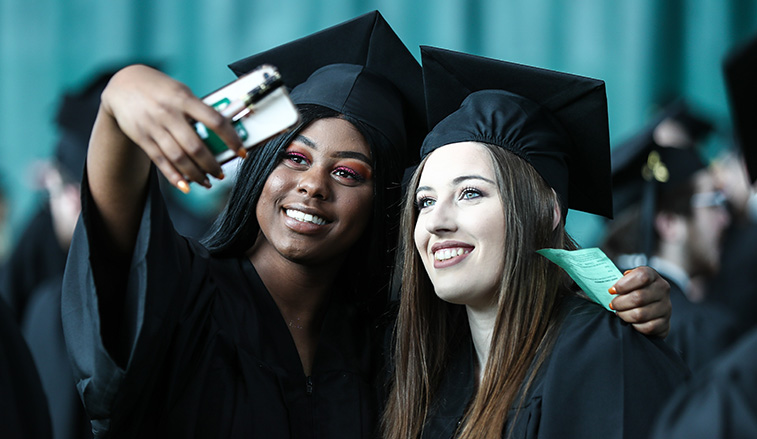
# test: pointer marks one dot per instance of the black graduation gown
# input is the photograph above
(43, 331)
(602, 379)
(32, 280)
(36, 257)
(734, 286)
(719, 402)
(23, 406)
(699, 332)
(210, 354)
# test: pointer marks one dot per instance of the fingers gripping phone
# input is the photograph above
(258, 106)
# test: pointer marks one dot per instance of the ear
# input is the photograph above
(556, 212)
(670, 227)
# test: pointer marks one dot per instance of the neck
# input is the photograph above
(675, 254)
(481, 323)
(300, 292)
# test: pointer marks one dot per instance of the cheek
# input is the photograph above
(356, 208)
(420, 237)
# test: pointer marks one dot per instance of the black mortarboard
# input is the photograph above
(740, 68)
(643, 170)
(557, 122)
(640, 159)
(75, 118)
(359, 68)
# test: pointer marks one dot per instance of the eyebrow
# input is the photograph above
(339, 154)
(456, 181)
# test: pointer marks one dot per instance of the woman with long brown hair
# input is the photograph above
(491, 339)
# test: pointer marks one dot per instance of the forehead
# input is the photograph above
(334, 134)
(456, 159)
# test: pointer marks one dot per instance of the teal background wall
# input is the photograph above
(645, 50)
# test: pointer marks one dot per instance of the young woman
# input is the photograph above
(263, 330)
(491, 341)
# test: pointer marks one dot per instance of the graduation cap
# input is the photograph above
(643, 169)
(555, 121)
(740, 69)
(359, 68)
(75, 117)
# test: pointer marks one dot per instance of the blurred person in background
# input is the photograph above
(671, 215)
(32, 276)
(734, 286)
(23, 405)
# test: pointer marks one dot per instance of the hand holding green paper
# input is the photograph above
(590, 268)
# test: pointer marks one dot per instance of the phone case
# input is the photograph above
(270, 115)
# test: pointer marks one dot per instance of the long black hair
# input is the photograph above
(367, 270)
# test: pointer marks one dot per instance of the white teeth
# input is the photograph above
(449, 253)
(305, 217)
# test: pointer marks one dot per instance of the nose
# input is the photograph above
(314, 183)
(440, 219)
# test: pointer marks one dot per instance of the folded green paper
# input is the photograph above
(590, 268)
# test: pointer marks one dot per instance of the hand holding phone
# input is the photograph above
(258, 106)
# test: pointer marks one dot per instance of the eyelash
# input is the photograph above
(296, 155)
(420, 202)
(300, 159)
(351, 173)
(470, 190)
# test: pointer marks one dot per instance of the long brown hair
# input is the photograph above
(527, 305)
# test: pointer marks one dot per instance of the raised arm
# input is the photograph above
(144, 116)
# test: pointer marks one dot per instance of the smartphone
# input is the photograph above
(258, 106)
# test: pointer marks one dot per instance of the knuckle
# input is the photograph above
(175, 156)
(216, 121)
(637, 315)
(195, 148)
(644, 276)
(635, 298)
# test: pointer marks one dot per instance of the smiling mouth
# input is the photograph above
(449, 253)
(305, 217)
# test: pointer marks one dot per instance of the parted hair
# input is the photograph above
(367, 272)
(527, 304)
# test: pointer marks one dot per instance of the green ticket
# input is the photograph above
(590, 268)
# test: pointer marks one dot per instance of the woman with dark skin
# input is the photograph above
(264, 329)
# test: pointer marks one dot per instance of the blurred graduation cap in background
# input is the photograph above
(75, 117)
(740, 71)
(555, 121)
(658, 160)
(360, 68)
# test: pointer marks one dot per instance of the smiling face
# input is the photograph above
(317, 202)
(460, 230)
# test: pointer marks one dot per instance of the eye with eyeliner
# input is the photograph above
(423, 201)
(349, 173)
(470, 193)
(296, 158)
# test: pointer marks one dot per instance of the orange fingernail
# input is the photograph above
(610, 306)
(221, 176)
(183, 186)
(626, 272)
(612, 290)
(241, 152)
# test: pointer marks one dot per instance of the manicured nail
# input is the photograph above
(626, 272)
(241, 152)
(221, 176)
(183, 186)
(610, 306)
(612, 290)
